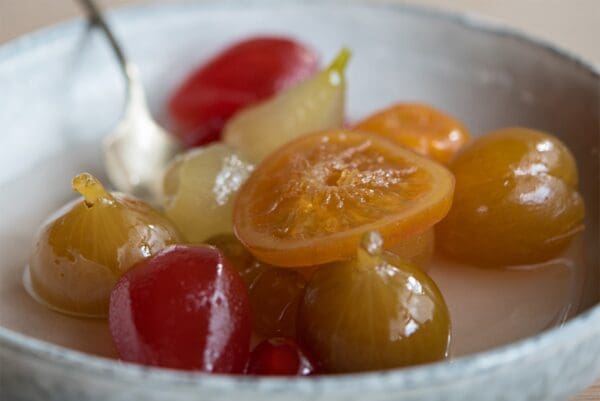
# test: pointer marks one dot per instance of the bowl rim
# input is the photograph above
(555, 340)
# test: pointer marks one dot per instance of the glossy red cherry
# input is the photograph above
(281, 357)
(247, 72)
(184, 308)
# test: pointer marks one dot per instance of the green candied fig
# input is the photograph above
(373, 312)
(85, 247)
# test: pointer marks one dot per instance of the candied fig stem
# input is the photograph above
(92, 190)
(341, 61)
(370, 250)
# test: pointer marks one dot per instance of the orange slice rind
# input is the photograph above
(310, 201)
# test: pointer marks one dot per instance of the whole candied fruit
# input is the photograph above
(275, 295)
(184, 308)
(373, 312)
(274, 292)
(83, 249)
(516, 200)
(310, 106)
(311, 201)
(421, 128)
(199, 188)
(242, 74)
(281, 357)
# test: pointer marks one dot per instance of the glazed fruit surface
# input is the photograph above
(373, 312)
(516, 200)
(274, 292)
(312, 200)
(81, 252)
(185, 308)
(200, 186)
(420, 128)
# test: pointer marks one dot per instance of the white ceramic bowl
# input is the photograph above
(61, 91)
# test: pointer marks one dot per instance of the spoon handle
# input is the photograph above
(96, 18)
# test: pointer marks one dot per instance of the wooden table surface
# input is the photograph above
(571, 24)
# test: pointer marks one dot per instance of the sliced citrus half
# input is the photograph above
(310, 201)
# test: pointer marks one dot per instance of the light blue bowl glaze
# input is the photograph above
(61, 91)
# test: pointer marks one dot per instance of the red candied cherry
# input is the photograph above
(184, 308)
(281, 357)
(245, 73)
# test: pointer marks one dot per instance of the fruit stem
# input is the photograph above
(372, 243)
(370, 250)
(341, 61)
(92, 190)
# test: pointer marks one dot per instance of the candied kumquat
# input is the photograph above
(516, 200)
(419, 127)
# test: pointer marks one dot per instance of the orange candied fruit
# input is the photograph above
(420, 128)
(516, 200)
(310, 202)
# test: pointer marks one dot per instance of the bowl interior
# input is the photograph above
(65, 92)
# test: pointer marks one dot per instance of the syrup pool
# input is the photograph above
(494, 307)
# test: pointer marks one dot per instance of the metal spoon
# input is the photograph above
(138, 150)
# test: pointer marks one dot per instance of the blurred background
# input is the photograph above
(572, 24)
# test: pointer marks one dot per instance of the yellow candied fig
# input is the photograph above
(83, 249)
(199, 188)
(373, 312)
(275, 293)
(516, 200)
(313, 105)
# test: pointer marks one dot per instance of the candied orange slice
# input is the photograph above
(310, 201)
(419, 127)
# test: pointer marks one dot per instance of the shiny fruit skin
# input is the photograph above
(185, 308)
(516, 200)
(275, 295)
(281, 357)
(242, 74)
(420, 128)
(200, 186)
(83, 249)
(371, 315)
(311, 201)
(312, 105)
(274, 292)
